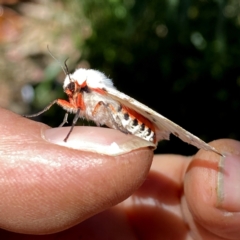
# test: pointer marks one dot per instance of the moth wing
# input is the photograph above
(163, 125)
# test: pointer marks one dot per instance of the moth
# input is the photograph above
(92, 95)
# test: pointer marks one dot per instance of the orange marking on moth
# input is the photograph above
(84, 84)
(68, 92)
(139, 117)
(98, 105)
(112, 108)
(99, 90)
(65, 104)
(80, 102)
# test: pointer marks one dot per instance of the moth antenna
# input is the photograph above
(65, 70)
(66, 67)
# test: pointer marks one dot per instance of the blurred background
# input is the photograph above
(181, 58)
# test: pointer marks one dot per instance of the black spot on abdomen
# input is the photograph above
(135, 122)
(126, 116)
(142, 127)
(149, 132)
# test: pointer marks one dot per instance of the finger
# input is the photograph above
(212, 192)
(46, 188)
(154, 210)
(109, 224)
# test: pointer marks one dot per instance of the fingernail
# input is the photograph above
(228, 183)
(93, 139)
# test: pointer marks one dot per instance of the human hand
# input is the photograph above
(47, 188)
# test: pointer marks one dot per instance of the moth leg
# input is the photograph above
(44, 110)
(62, 103)
(64, 120)
(110, 109)
(73, 124)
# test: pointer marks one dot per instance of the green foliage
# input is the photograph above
(179, 57)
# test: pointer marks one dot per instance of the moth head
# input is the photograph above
(70, 88)
(73, 88)
(92, 78)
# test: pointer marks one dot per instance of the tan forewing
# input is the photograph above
(163, 125)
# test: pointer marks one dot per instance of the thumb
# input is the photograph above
(47, 188)
(212, 193)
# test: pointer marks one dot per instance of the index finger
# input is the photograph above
(212, 192)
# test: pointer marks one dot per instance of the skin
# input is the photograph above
(60, 193)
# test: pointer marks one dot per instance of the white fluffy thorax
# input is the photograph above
(94, 78)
